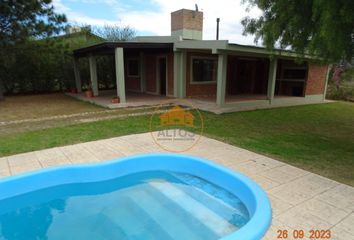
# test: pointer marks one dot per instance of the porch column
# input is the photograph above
(93, 75)
(176, 73)
(183, 65)
(77, 75)
(119, 61)
(272, 78)
(179, 81)
(142, 73)
(221, 79)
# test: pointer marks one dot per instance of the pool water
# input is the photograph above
(142, 206)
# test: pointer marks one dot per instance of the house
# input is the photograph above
(224, 74)
(79, 36)
(177, 116)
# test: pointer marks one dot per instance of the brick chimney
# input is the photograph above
(187, 23)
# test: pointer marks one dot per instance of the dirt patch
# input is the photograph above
(43, 105)
(62, 117)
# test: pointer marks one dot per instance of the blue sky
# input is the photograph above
(152, 17)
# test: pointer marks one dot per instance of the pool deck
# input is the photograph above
(300, 200)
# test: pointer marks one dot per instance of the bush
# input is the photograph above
(342, 87)
(46, 66)
(35, 67)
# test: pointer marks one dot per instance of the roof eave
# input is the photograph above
(110, 46)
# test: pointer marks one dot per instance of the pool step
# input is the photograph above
(206, 216)
(229, 208)
(234, 212)
(135, 222)
(159, 210)
(180, 213)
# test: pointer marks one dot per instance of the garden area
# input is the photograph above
(318, 138)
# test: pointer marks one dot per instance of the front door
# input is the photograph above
(161, 68)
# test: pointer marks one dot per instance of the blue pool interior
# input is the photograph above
(141, 206)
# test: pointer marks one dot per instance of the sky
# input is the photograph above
(152, 17)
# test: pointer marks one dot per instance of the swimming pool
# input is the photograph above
(155, 196)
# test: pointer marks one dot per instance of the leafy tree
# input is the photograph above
(21, 20)
(35, 66)
(115, 33)
(320, 27)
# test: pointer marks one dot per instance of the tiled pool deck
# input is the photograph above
(300, 200)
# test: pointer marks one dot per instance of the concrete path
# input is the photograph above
(300, 200)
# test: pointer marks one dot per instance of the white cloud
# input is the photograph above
(158, 22)
(80, 18)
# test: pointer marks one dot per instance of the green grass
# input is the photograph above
(318, 138)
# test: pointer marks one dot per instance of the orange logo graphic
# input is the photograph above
(177, 128)
(177, 116)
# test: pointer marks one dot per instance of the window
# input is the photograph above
(133, 67)
(204, 70)
(291, 78)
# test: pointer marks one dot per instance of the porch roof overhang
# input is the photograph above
(223, 46)
(107, 48)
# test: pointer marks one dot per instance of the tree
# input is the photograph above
(318, 27)
(115, 33)
(21, 20)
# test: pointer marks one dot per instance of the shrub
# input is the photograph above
(341, 87)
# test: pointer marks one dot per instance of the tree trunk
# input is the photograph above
(1, 91)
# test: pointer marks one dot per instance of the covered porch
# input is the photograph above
(233, 76)
(242, 81)
(216, 76)
(142, 73)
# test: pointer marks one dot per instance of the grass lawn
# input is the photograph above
(318, 138)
